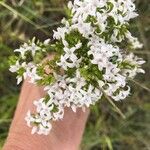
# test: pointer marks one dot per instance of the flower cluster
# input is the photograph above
(105, 18)
(89, 60)
(23, 64)
(66, 92)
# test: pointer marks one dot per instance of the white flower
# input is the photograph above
(69, 53)
(33, 75)
(65, 43)
(120, 80)
(29, 119)
(100, 61)
(34, 130)
(44, 130)
(39, 104)
(61, 32)
(19, 79)
(84, 28)
(15, 68)
(75, 95)
(59, 114)
(80, 81)
(89, 96)
(101, 83)
(74, 108)
(64, 64)
(101, 21)
(46, 42)
(28, 48)
(22, 51)
(135, 62)
(70, 5)
(18, 66)
(122, 94)
(33, 48)
(44, 108)
(135, 44)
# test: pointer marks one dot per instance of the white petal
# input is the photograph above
(34, 130)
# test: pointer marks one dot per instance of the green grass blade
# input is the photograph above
(22, 17)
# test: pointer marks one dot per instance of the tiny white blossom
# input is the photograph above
(34, 130)
(33, 75)
(22, 51)
(135, 44)
(44, 130)
(29, 119)
(46, 42)
(33, 48)
(15, 68)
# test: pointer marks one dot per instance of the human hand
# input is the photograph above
(66, 134)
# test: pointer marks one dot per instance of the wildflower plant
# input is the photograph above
(92, 57)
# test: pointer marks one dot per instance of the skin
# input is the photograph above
(66, 134)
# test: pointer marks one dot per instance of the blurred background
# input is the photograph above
(21, 20)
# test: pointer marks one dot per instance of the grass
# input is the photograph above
(106, 129)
